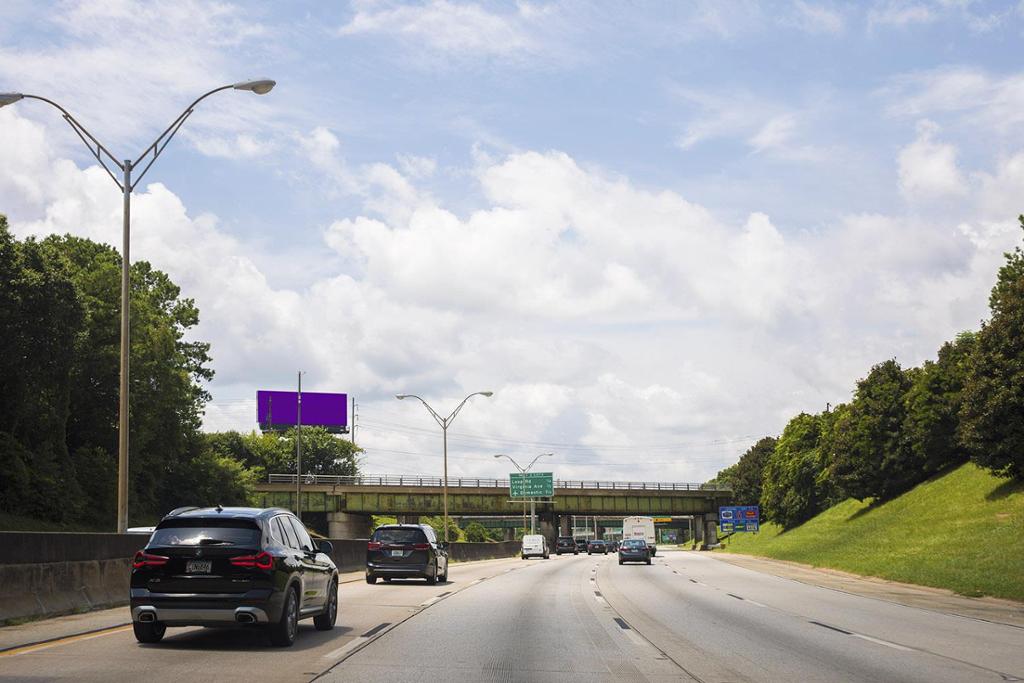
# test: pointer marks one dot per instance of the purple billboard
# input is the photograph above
(278, 410)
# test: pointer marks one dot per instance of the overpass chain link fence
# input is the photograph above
(475, 482)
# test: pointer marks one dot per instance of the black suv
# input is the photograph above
(566, 544)
(233, 566)
(398, 551)
(597, 546)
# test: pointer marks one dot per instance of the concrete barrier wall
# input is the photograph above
(46, 574)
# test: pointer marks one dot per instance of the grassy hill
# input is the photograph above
(963, 530)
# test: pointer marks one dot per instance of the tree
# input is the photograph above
(746, 475)
(272, 453)
(871, 458)
(933, 405)
(992, 414)
(475, 532)
(791, 490)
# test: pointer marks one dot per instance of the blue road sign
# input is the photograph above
(735, 518)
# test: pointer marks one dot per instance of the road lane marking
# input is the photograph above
(375, 630)
(831, 628)
(431, 601)
(35, 647)
(881, 642)
(345, 649)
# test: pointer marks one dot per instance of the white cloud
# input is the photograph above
(451, 28)
(928, 169)
(986, 101)
(815, 18)
(611, 321)
(900, 13)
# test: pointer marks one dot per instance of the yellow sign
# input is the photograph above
(662, 520)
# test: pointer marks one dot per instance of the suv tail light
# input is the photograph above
(144, 559)
(262, 561)
(373, 545)
(421, 546)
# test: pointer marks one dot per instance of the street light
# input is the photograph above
(444, 422)
(533, 503)
(126, 185)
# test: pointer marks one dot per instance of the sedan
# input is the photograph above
(634, 550)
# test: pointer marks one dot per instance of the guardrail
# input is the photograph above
(475, 482)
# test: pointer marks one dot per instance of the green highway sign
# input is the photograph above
(531, 485)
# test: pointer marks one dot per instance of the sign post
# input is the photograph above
(734, 518)
(531, 485)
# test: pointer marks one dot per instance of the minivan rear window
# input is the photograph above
(398, 535)
(215, 532)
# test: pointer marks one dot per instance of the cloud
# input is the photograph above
(900, 13)
(457, 29)
(628, 329)
(82, 66)
(815, 18)
(928, 169)
(981, 99)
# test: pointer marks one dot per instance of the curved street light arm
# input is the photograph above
(536, 459)
(455, 412)
(164, 138)
(88, 139)
(433, 413)
(509, 458)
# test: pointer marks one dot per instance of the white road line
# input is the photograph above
(431, 601)
(636, 638)
(601, 601)
(473, 583)
(345, 649)
(882, 642)
(755, 602)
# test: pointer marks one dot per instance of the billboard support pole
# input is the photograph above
(298, 453)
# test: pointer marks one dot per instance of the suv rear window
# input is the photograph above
(191, 532)
(399, 535)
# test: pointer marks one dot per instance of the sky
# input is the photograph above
(656, 231)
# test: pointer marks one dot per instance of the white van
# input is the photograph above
(642, 528)
(535, 545)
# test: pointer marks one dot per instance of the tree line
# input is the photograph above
(60, 304)
(903, 425)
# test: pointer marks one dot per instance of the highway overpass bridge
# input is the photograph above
(343, 504)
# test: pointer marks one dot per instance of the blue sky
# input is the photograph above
(650, 228)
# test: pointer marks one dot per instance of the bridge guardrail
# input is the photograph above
(477, 482)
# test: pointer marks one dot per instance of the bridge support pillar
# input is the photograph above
(564, 525)
(348, 525)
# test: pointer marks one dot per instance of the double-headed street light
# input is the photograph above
(126, 185)
(444, 422)
(533, 504)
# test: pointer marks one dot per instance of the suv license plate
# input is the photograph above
(198, 566)
(397, 553)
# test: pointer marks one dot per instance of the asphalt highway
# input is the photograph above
(688, 617)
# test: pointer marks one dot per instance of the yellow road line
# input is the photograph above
(63, 641)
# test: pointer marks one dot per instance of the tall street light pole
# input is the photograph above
(445, 422)
(533, 503)
(126, 185)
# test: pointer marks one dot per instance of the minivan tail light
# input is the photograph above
(144, 559)
(421, 546)
(373, 545)
(262, 561)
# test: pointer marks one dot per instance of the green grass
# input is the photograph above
(963, 530)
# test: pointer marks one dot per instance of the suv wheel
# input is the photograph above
(370, 578)
(325, 621)
(148, 632)
(432, 578)
(284, 631)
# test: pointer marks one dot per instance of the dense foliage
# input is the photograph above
(903, 425)
(60, 304)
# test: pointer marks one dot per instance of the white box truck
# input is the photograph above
(642, 528)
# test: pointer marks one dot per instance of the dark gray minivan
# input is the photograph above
(398, 551)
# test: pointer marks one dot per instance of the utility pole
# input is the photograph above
(355, 418)
(298, 452)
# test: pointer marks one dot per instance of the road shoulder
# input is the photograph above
(996, 610)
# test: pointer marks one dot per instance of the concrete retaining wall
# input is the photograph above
(44, 574)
